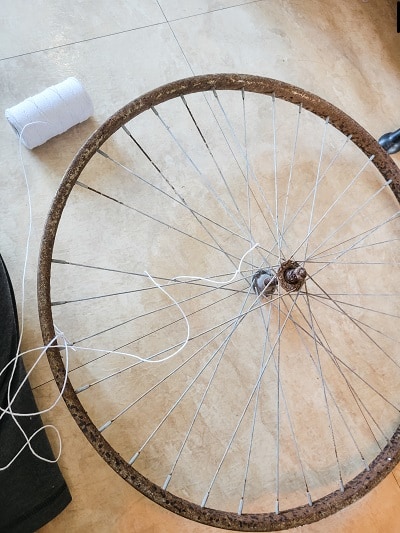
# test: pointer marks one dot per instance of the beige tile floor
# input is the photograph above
(347, 52)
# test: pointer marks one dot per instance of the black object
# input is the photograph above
(390, 142)
(32, 492)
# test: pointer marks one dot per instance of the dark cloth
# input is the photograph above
(32, 491)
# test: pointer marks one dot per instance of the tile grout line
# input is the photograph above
(82, 41)
(176, 38)
(72, 43)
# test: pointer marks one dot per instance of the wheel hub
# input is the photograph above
(290, 276)
(265, 282)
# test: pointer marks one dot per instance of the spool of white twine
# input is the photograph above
(51, 112)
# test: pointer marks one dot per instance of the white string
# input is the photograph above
(238, 270)
(14, 361)
(65, 345)
(9, 411)
(150, 358)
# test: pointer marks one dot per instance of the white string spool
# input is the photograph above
(51, 112)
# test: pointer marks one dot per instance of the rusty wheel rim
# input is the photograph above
(268, 521)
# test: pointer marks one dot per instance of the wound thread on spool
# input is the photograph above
(49, 113)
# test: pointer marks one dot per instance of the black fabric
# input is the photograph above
(32, 492)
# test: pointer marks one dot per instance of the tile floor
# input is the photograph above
(346, 52)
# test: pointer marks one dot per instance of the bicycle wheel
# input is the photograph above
(240, 235)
